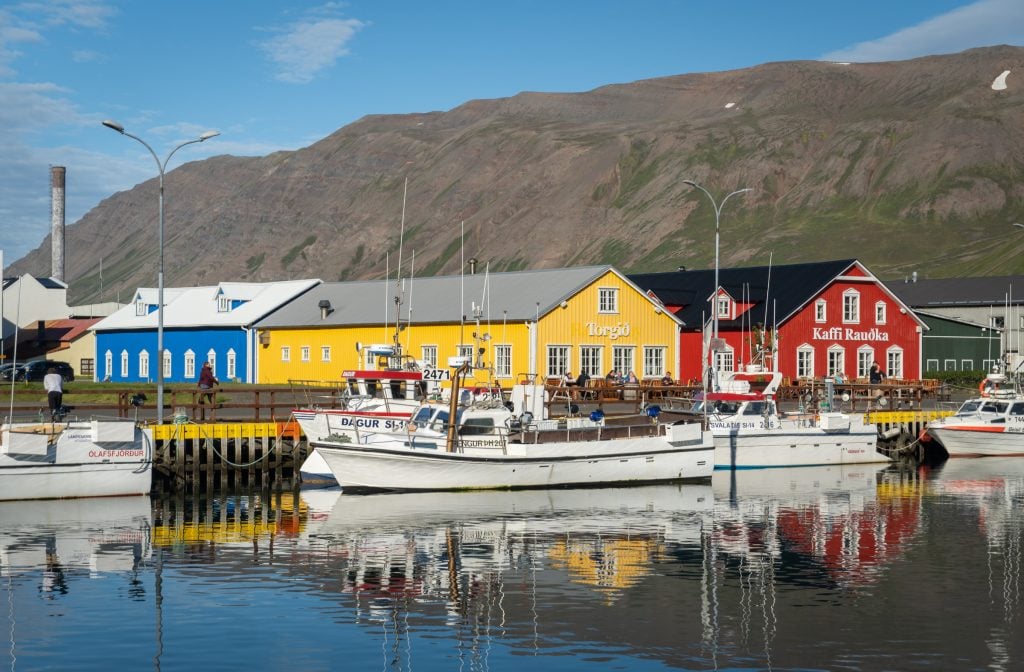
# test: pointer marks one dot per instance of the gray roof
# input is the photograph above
(951, 292)
(517, 296)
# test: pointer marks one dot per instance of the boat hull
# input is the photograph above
(84, 459)
(759, 448)
(982, 440)
(626, 461)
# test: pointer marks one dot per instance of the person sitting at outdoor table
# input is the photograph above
(613, 377)
(875, 375)
(667, 379)
(632, 379)
(581, 380)
(568, 380)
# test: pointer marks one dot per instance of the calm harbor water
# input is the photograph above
(825, 568)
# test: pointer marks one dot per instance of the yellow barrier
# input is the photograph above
(897, 417)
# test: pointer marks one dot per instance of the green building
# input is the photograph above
(950, 344)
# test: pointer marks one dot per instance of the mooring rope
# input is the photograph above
(209, 443)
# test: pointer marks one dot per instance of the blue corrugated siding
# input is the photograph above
(177, 342)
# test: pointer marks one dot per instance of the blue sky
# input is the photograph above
(281, 75)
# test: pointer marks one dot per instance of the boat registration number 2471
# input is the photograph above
(437, 374)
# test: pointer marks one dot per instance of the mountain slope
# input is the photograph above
(910, 165)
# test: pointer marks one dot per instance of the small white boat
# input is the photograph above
(76, 458)
(751, 433)
(489, 446)
(987, 425)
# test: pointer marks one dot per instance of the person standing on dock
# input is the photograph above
(53, 383)
(207, 381)
(876, 375)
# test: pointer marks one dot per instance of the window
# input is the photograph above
(167, 363)
(931, 365)
(429, 355)
(654, 361)
(503, 361)
(286, 353)
(304, 353)
(851, 306)
(190, 364)
(622, 359)
(608, 300)
(949, 364)
(894, 360)
(144, 365)
(725, 359)
(108, 365)
(805, 361)
(231, 364)
(223, 304)
(590, 360)
(865, 357)
(819, 310)
(141, 308)
(836, 361)
(87, 366)
(724, 306)
(465, 351)
(880, 312)
(369, 359)
(996, 321)
(124, 363)
(325, 353)
(211, 357)
(558, 360)
(967, 365)
(1021, 322)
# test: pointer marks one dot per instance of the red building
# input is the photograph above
(811, 320)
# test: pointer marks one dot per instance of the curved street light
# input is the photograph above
(161, 166)
(714, 305)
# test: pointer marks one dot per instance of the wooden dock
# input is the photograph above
(227, 454)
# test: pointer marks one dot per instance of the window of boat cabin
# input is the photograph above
(440, 422)
(558, 360)
(757, 408)
(428, 353)
(851, 306)
(503, 361)
(805, 361)
(819, 310)
(894, 358)
(880, 312)
(654, 361)
(422, 416)
(1017, 408)
(484, 425)
(607, 299)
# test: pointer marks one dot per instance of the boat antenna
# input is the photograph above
(408, 320)
(462, 285)
(17, 321)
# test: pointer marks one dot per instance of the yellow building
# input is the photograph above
(540, 323)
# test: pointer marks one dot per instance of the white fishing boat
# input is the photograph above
(987, 425)
(750, 432)
(491, 446)
(74, 458)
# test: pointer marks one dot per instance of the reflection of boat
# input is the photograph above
(750, 432)
(992, 424)
(487, 445)
(102, 534)
(91, 458)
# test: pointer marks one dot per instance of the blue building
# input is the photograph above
(201, 324)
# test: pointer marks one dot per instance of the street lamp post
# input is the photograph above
(161, 166)
(714, 302)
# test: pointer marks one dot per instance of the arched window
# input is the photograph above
(144, 365)
(865, 358)
(836, 361)
(124, 364)
(211, 357)
(894, 362)
(167, 364)
(190, 364)
(851, 307)
(231, 373)
(108, 365)
(805, 361)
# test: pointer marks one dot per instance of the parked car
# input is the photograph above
(6, 371)
(36, 371)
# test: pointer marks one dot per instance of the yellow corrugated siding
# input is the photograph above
(572, 325)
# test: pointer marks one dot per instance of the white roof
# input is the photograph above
(198, 306)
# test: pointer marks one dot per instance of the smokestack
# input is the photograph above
(57, 222)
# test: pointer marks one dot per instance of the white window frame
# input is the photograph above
(724, 304)
(654, 361)
(967, 365)
(592, 360)
(503, 360)
(931, 365)
(428, 354)
(190, 364)
(624, 358)
(232, 364)
(881, 312)
(836, 362)
(949, 364)
(557, 360)
(167, 364)
(821, 310)
(108, 365)
(851, 307)
(325, 353)
(211, 357)
(305, 353)
(608, 300)
(865, 358)
(223, 304)
(144, 365)
(124, 363)
(805, 361)
(894, 362)
(141, 308)
(286, 353)
(725, 359)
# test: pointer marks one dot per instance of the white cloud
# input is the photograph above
(305, 48)
(982, 23)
